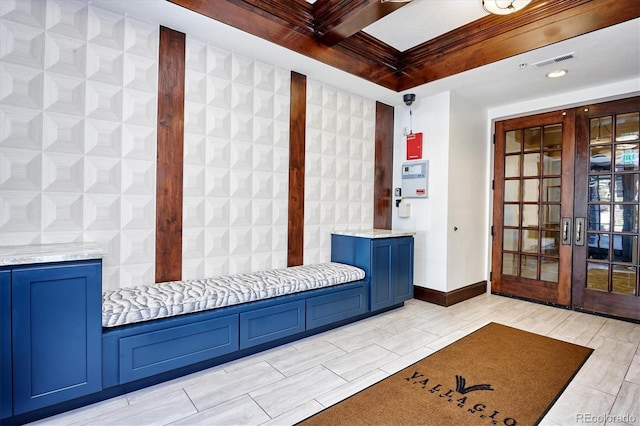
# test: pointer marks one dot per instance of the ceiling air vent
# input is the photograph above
(555, 60)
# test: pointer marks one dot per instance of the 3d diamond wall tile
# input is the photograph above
(329, 98)
(102, 212)
(282, 83)
(216, 242)
(192, 243)
(196, 56)
(64, 94)
(314, 93)
(195, 88)
(67, 17)
(138, 177)
(262, 158)
(331, 122)
(65, 55)
(21, 86)
(193, 180)
(103, 138)
(215, 266)
(140, 73)
(62, 172)
(240, 240)
(218, 212)
(219, 62)
(193, 212)
(262, 240)
(192, 267)
(239, 264)
(105, 28)
(265, 75)
(312, 213)
(241, 184)
(139, 142)
(137, 246)
(280, 215)
(21, 128)
(133, 275)
(104, 101)
(22, 44)
(29, 12)
(62, 212)
(194, 147)
(139, 212)
(241, 127)
(139, 107)
(218, 92)
(218, 122)
(262, 213)
(280, 160)
(105, 64)
(21, 212)
(242, 70)
(240, 213)
(263, 131)
(240, 156)
(102, 175)
(264, 104)
(280, 186)
(217, 182)
(262, 185)
(262, 261)
(281, 134)
(141, 38)
(56, 237)
(195, 118)
(242, 99)
(63, 133)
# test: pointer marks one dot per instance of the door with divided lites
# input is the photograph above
(566, 223)
(533, 192)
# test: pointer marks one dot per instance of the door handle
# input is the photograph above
(580, 223)
(566, 234)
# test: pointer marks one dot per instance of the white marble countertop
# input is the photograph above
(374, 233)
(45, 253)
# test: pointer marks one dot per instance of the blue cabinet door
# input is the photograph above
(382, 273)
(402, 266)
(56, 330)
(6, 397)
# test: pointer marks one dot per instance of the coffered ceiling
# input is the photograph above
(354, 35)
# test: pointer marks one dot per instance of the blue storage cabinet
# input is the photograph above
(55, 335)
(388, 262)
(6, 393)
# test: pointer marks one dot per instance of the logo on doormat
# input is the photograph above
(459, 399)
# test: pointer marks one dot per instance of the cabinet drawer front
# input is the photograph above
(160, 351)
(323, 310)
(268, 324)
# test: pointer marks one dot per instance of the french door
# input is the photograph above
(566, 208)
(605, 267)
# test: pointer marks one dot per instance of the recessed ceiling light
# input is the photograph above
(557, 73)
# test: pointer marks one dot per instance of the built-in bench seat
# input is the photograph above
(154, 332)
(144, 303)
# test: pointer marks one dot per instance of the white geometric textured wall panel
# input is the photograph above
(78, 149)
(339, 166)
(236, 163)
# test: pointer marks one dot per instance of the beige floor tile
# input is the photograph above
(354, 364)
(239, 411)
(580, 405)
(626, 408)
(305, 357)
(289, 393)
(216, 389)
(602, 375)
(633, 374)
(407, 341)
(351, 388)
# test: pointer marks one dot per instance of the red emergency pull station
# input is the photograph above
(414, 146)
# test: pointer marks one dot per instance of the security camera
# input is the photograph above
(409, 98)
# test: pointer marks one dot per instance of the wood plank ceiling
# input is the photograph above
(330, 31)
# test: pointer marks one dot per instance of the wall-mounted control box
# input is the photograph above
(415, 179)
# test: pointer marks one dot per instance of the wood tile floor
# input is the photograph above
(287, 384)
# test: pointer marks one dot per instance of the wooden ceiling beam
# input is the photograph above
(293, 25)
(337, 20)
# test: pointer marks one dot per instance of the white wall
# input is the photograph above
(429, 218)
(469, 154)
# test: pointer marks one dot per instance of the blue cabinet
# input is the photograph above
(55, 333)
(388, 262)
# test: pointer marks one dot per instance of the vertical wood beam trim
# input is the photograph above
(171, 85)
(297, 135)
(382, 190)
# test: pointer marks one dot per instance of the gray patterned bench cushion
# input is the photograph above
(144, 303)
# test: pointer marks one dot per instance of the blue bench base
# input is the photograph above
(147, 353)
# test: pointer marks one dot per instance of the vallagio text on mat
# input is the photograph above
(444, 393)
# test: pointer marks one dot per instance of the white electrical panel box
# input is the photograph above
(415, 179)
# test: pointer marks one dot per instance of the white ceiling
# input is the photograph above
(602, 57)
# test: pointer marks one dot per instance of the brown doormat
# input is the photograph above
(497, 375)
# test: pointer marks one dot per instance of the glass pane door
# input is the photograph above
(530, 180)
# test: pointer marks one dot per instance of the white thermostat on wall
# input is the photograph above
(415, 179)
